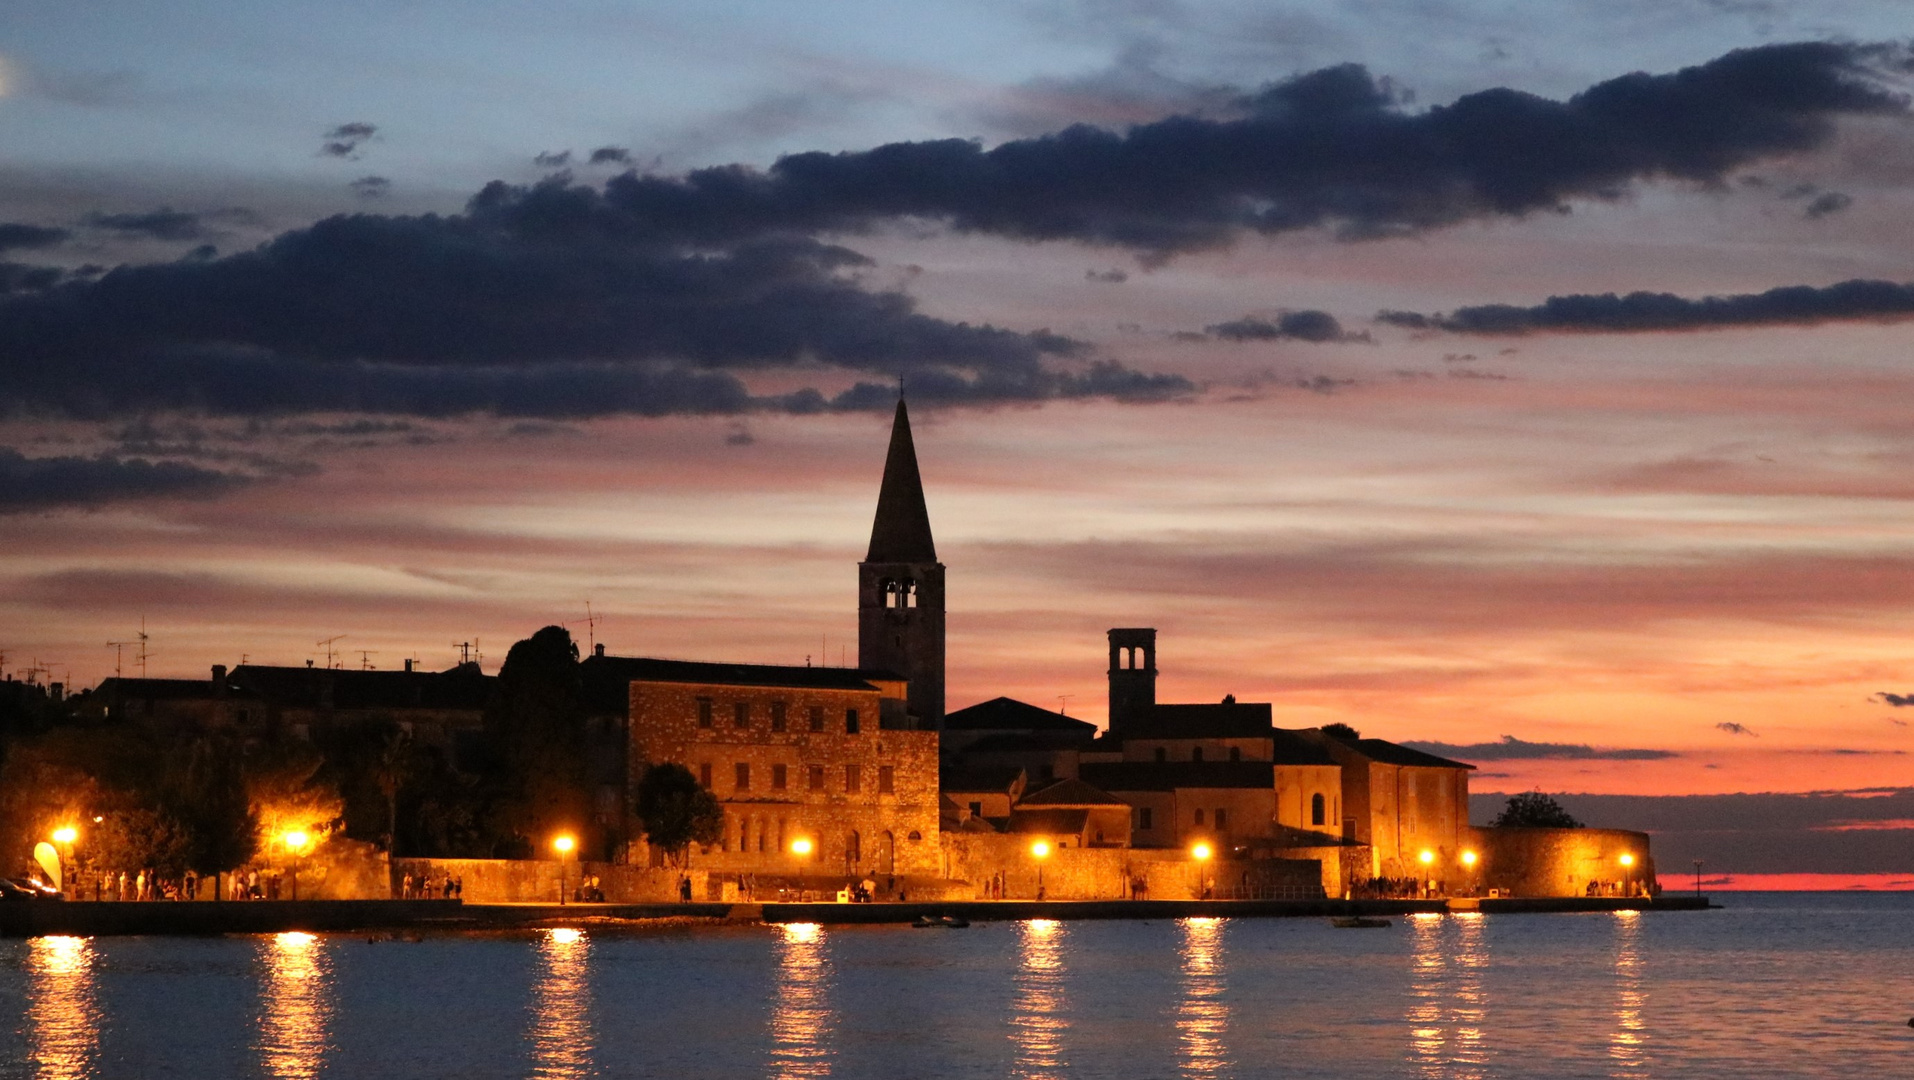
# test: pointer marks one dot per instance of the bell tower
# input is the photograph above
(900, 584)
(1132, 676)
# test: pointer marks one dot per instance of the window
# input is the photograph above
(1222, 819)
(976, 809)
(777, 716)
(1143, 818)
(1196, 753)
(744, 775)
(886, 779)
(1318, 813)
(816, 777)
(1236, 753)
(704, 776)
(704, 712)
(850, 721)
(1047, 770)
(1199, 817)
(817, 718)
(741, 714)
(853, 779)
(779, 776)
(1162, 754)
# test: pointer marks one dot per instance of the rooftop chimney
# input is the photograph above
(598, 650)
(219, 680)
(408, 665)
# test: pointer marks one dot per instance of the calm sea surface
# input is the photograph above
(1775, 985)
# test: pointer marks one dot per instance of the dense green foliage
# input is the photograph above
(676, 810)
(1534, 810)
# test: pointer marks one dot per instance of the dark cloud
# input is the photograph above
(610, 155)
(1514, 749)
(1899, 701)
(538, 301)
(1314, 326)
(14, 235)
(344, 141)
(1828, 202)
(1646, 311)
(370, 187)
(1330, 148)
(553, 159)
(162, 224)
(28, 484)
(1733, 728)
(1108, 277)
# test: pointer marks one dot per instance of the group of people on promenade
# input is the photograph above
(426, 887)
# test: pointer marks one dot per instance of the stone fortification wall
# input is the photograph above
(536, 881)
(1560, 862)
(975, 860)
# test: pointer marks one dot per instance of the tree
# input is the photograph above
(676, 810)
(1534, 810)
(538, 777)
(1341, 732)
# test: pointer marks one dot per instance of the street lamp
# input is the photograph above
(1428, 863)
(1201, 852)
(1468, 867)
(296, 843)
(64, 836)
(1628, 861)
(1040, 851)
(801, 847)
(563, 844)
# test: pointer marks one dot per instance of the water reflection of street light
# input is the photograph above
(1201, 852)
(1040, 851)
(295, 842)
(563, 844)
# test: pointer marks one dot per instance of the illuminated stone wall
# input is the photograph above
(976, 859)
(855, 832)
(1560, 862)
(536, 881)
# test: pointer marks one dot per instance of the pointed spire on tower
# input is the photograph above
(901, 533)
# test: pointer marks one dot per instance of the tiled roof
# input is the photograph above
(1009, 714)
(1070, 793)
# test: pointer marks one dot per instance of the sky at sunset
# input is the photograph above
(1307, 333)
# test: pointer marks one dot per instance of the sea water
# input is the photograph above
(1810, 985)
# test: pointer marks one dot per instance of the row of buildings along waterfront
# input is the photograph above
(860, 773)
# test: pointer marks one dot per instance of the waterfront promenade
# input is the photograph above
(89, 919)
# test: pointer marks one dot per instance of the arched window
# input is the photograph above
(1236, 753)
(1162, 754)
(1318, 813)
(1199, 817)
(1196, 753)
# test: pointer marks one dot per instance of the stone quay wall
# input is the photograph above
(974, 860)
(536, 881)
(1560, 862)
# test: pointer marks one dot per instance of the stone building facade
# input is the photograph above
(822, 755)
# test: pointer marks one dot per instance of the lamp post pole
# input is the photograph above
(563, 845)
(1697, 877)
(1040, 851)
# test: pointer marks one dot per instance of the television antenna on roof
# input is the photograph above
(326, 644)
(465, 651)
(591, 629)
(365, 658)
(1063, 704)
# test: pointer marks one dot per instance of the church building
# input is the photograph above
(819, 771)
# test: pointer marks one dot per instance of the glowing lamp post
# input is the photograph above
(65, 836)
(563, 845)
(295, 842)
(1201, 853)
(801, 847)
(1040, 851)
(1628, 864)
(1468, 867)
(1428, 859)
